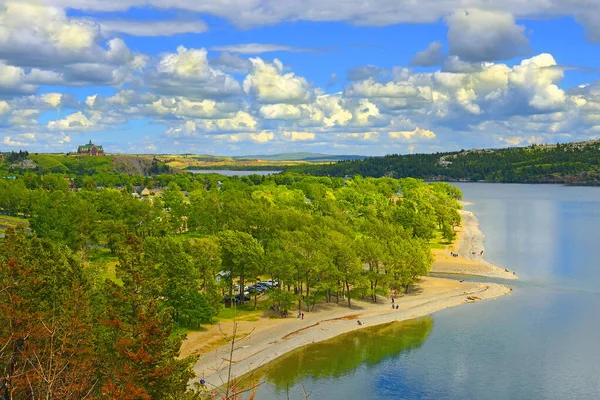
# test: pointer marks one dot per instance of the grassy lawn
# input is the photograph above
(438, 243)
(107, 264)
(13, 221)
(244, 312)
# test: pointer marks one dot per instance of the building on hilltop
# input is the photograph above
(90, 149)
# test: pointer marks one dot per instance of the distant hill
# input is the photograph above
(302, 156)
(569, 163)
(86, 165)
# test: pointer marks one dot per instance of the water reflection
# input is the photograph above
(541, 342)
(344, 354)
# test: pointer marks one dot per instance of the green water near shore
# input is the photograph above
(343, 354)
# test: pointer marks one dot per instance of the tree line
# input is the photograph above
(93, 299)
(572, 163)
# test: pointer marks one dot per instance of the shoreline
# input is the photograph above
(469, 239)
(263, 341)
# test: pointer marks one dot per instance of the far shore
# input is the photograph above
(260, 342)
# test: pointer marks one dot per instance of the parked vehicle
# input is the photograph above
(253, 289)
(236, 298)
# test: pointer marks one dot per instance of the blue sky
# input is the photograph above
(263, 76)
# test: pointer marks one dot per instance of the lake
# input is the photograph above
(230, 172)
(541, 342)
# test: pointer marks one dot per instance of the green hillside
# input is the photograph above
(571, 163)
(85, 165)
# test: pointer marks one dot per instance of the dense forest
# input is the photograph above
(98, 285)
(572, 163)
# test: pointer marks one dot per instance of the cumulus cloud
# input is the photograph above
(188, 73)
(269, 84)
(479, 35)
(299, 136)
(231, 63)
(416, 134)
(36, 35)
(73, 122)
(280, 111)
(14, 80)
(4, 107)
(431, 56)
(262, 137)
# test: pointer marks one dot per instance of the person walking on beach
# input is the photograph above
(392, 300)
(302, 315)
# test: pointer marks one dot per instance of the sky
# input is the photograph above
(241, 77)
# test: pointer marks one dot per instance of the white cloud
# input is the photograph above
(262, 137)
(280, 111)
(241, 122)
(416, 134)
(259, 48)
(432, 55)
(4, 108)
(34, 34)
(268, 84)
(53, 99)
(8, 140)
(153, 28)
(479, 35)
(299, 136)
(246, 13)
(73, 122)
(188, 73)
(13, 81)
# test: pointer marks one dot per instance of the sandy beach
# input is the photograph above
(469, 240)
(259, 342)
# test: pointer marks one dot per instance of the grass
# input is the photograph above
(438, 243)
(13, 221)
(178, 330)
(244, 312)
(107, 264)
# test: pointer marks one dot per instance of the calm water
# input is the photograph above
(542, 342)
(231, 173)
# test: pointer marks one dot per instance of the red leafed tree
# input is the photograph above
(45, 329)
(140, 361)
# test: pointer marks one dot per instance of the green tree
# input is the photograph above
(241, 255)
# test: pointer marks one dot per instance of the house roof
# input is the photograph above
(88, 147)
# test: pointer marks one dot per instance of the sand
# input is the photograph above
(469, 239)
(259, 342)
(270, 339)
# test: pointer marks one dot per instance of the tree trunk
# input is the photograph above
(375, 291)
(307, 297)
(348, 290)
(242, 287)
